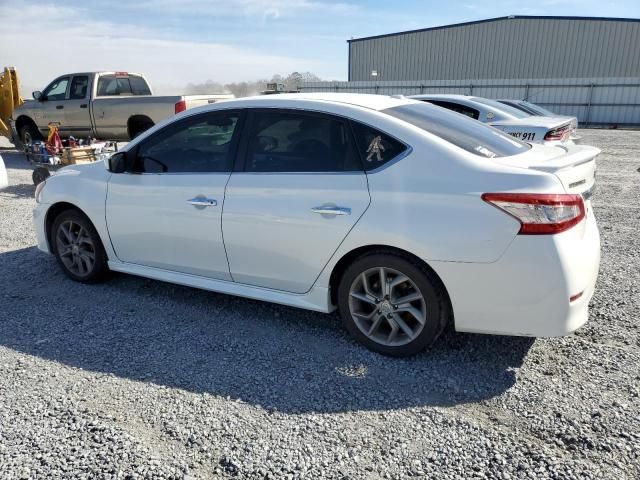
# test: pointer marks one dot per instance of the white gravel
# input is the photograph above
(140, 379)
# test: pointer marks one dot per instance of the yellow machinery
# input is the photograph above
(9, 98)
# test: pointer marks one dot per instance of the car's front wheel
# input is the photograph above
(78, 247)
(392, 304)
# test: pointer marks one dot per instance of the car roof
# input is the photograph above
(442, 96)
(365, 100)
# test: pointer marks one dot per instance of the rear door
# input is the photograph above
(301, 189)
(77, 121)
(167, 211)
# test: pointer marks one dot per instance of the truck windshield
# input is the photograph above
(460, 130)
(112, 85)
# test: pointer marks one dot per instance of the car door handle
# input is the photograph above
(59, 107)
(202, 202)
(84, 105)
(331, 210)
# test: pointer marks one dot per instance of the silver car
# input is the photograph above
(519, 124)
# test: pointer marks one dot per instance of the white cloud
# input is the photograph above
(266, 9)
(47, 40)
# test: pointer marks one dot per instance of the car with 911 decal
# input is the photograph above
(401, 215)
(517, 123)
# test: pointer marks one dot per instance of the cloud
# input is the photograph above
(265, 9)
(78, 43)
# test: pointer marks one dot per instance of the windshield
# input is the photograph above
(460, 130)
(501, 107)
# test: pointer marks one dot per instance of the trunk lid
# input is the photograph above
(574, 165)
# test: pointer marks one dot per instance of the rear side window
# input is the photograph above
(468, 134)
(79, 86)
(455, 107)
(375, 147)
(293, 141)
(202, 143)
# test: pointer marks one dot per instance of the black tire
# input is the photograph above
(139, 127)
(39, 175)
(436, 305)
(89, 242)
(29, 133)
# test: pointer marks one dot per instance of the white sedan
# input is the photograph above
(400, 214)
(515, 122)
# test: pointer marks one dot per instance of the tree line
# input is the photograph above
(291, 82)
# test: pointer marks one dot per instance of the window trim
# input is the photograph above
(243, 151)
(132, 154)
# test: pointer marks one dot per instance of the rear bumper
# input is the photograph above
(526, 292)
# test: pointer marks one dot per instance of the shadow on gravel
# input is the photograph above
(277, 357)
(15, 159)
(23, 190)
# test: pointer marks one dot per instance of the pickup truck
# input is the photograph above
(106, 105)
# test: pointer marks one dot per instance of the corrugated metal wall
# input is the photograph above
(517, 48)
(593, 100)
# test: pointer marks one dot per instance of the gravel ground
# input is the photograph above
(140, 379)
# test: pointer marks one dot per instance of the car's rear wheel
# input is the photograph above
(392, 304)
(78, 247)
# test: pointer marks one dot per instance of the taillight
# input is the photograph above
(181, 106)
(560, 133)
(540, 213)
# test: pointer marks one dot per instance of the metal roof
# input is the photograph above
(496, 19)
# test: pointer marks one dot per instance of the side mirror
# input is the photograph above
(116, 163)
(37, 95)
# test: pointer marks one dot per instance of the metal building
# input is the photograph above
(584, 66)
(507, 47)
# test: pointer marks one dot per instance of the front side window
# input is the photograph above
(465, 133)
(202, 143)
(79, 87)
(57, 90)
(292, 141)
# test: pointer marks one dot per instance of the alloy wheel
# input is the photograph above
(75, 248)
(387, 306)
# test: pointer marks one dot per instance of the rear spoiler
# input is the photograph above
(576, 155)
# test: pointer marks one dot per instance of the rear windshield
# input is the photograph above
(460, 130)
(501, 107)
(114, 85)
(538, 109)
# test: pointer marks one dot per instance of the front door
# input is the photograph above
(166, 212)
(301, 189)
(50, 107)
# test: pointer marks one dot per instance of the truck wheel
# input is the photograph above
(29, 133)
(39, 175)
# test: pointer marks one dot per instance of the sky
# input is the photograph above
(191, 41)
